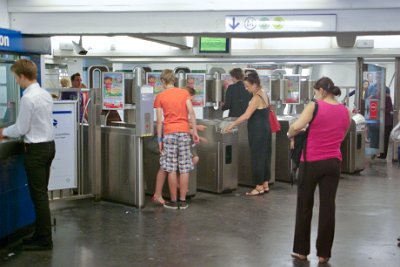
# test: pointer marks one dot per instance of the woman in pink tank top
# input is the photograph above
(320, 167)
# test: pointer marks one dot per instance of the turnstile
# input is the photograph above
(217, 169)
(283, 162)
(353, 146)
(245, 173)
(119, 166)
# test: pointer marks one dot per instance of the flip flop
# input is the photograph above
(258, 192)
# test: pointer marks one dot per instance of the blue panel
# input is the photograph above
(10, 40)
(16, 208)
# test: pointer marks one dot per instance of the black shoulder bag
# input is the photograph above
(300, 142)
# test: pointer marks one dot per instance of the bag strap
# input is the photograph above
(308, 129)
(264, 100)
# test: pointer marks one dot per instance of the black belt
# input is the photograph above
(38, 144)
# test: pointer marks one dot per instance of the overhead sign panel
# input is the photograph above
(286, 23)
(10, 40)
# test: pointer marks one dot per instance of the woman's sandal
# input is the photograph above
(323, 260)
(298, 256)
(158, 200)
(266, 189)
(255, 192)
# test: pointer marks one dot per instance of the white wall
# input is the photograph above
(4, 19)
(342, 75)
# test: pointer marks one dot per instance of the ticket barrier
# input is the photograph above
(245, 173)
(283, 162)
(353, 146)
(218, 165)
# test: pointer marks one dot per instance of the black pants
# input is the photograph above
(388, 129)
(325, 174)
(38, 158)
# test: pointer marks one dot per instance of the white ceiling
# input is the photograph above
(187, 5)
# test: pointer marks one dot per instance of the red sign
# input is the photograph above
(373, 109)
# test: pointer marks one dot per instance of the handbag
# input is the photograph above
(273, 122)
(300, 141)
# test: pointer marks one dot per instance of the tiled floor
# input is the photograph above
(225, 230)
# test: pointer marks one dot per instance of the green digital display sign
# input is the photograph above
(214, 45)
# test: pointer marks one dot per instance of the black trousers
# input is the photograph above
(38, 158)
(325, 174)
(388, 129)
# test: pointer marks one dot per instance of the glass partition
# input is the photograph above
(373, 96)
(8, 95)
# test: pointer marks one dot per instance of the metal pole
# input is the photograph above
(396, 103)
(139, 188)
(359, 83)
(94, 146)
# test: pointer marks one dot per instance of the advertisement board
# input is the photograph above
(227, 80)
(113, 90)
(153, 79)
(291, 92)
(197, 81)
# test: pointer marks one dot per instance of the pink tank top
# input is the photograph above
(327, 132)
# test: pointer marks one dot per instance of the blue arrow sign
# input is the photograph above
(234, 25)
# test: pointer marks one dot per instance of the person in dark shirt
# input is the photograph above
(237, 98)
(76, 81)
(388, 122)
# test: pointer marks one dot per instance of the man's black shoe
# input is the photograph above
(29, 240)
(38, 246)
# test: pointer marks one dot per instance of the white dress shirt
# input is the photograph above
(35, 120)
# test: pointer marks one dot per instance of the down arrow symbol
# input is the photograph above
(234, 25)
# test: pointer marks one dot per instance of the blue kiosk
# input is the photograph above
(16, 208)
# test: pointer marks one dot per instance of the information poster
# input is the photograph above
(227, 80)
(291, 89)
(198, 82)
(63, 173)
(153, 79)
(113, 90)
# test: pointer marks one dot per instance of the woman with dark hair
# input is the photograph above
(321, 166)
(259, 132)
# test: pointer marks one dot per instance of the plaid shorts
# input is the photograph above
(176, 153)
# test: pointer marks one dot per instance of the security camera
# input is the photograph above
(78, 48)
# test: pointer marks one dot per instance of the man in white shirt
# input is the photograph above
(35, 124)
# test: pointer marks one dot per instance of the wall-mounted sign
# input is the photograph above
(113, 91)
(197, 82)
(286, 23)
(153, 80)
(10, 40)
